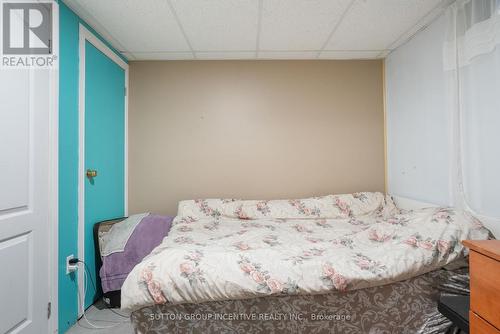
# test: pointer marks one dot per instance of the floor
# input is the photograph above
(100, 316)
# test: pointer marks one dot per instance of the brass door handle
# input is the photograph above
(91, 173)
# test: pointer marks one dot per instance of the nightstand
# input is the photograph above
(484, 266)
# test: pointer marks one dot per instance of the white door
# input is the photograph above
(24, 201)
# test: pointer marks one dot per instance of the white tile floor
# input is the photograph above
(100, 316)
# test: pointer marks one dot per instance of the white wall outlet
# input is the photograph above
(70, 267)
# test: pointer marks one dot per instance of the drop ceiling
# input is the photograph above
(257, 29)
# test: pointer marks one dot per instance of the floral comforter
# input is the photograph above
(231, 249)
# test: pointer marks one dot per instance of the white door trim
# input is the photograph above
(54, 179)
(54, 203)
(87, 36)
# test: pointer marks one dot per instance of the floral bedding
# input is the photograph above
(222, 249)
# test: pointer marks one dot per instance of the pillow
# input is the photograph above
(330, 206)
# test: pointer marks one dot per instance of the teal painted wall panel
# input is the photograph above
(68, 160)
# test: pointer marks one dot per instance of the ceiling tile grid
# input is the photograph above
(298, 25)
(374, 25)
(225, 55)
(257, 29)
(140, 26)
(159, 55)
(350, 54)
(288, 54)
(225, 25)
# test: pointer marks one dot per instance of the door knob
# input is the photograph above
(91, 173)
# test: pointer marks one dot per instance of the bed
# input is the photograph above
(353, 263)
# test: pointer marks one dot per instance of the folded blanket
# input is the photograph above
(147, 234)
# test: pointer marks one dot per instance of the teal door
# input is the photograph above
(104, 149)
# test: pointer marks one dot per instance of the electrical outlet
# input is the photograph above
(70, 267)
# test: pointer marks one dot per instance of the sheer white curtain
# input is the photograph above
(472, 65)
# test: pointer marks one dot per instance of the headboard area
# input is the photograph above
(253, 130)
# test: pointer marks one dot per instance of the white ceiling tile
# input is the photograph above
(349, 54)
(162, 55)
(228, 29)
(299, 24)
(139, 26)
(421, 24)
(221, 25)
(375, 24)
(287, 54)
(225, 55)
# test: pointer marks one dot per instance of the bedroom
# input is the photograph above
(254, 166)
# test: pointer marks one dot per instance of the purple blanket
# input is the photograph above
(147, 235)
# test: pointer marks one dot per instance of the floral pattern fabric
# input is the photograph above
(211, 255)
(409, 306)
(330, 206)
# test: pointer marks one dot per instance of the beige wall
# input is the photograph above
(253, 129)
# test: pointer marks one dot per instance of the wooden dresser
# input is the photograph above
(484, 263)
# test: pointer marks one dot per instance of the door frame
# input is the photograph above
(87, 36)
(54, 179)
